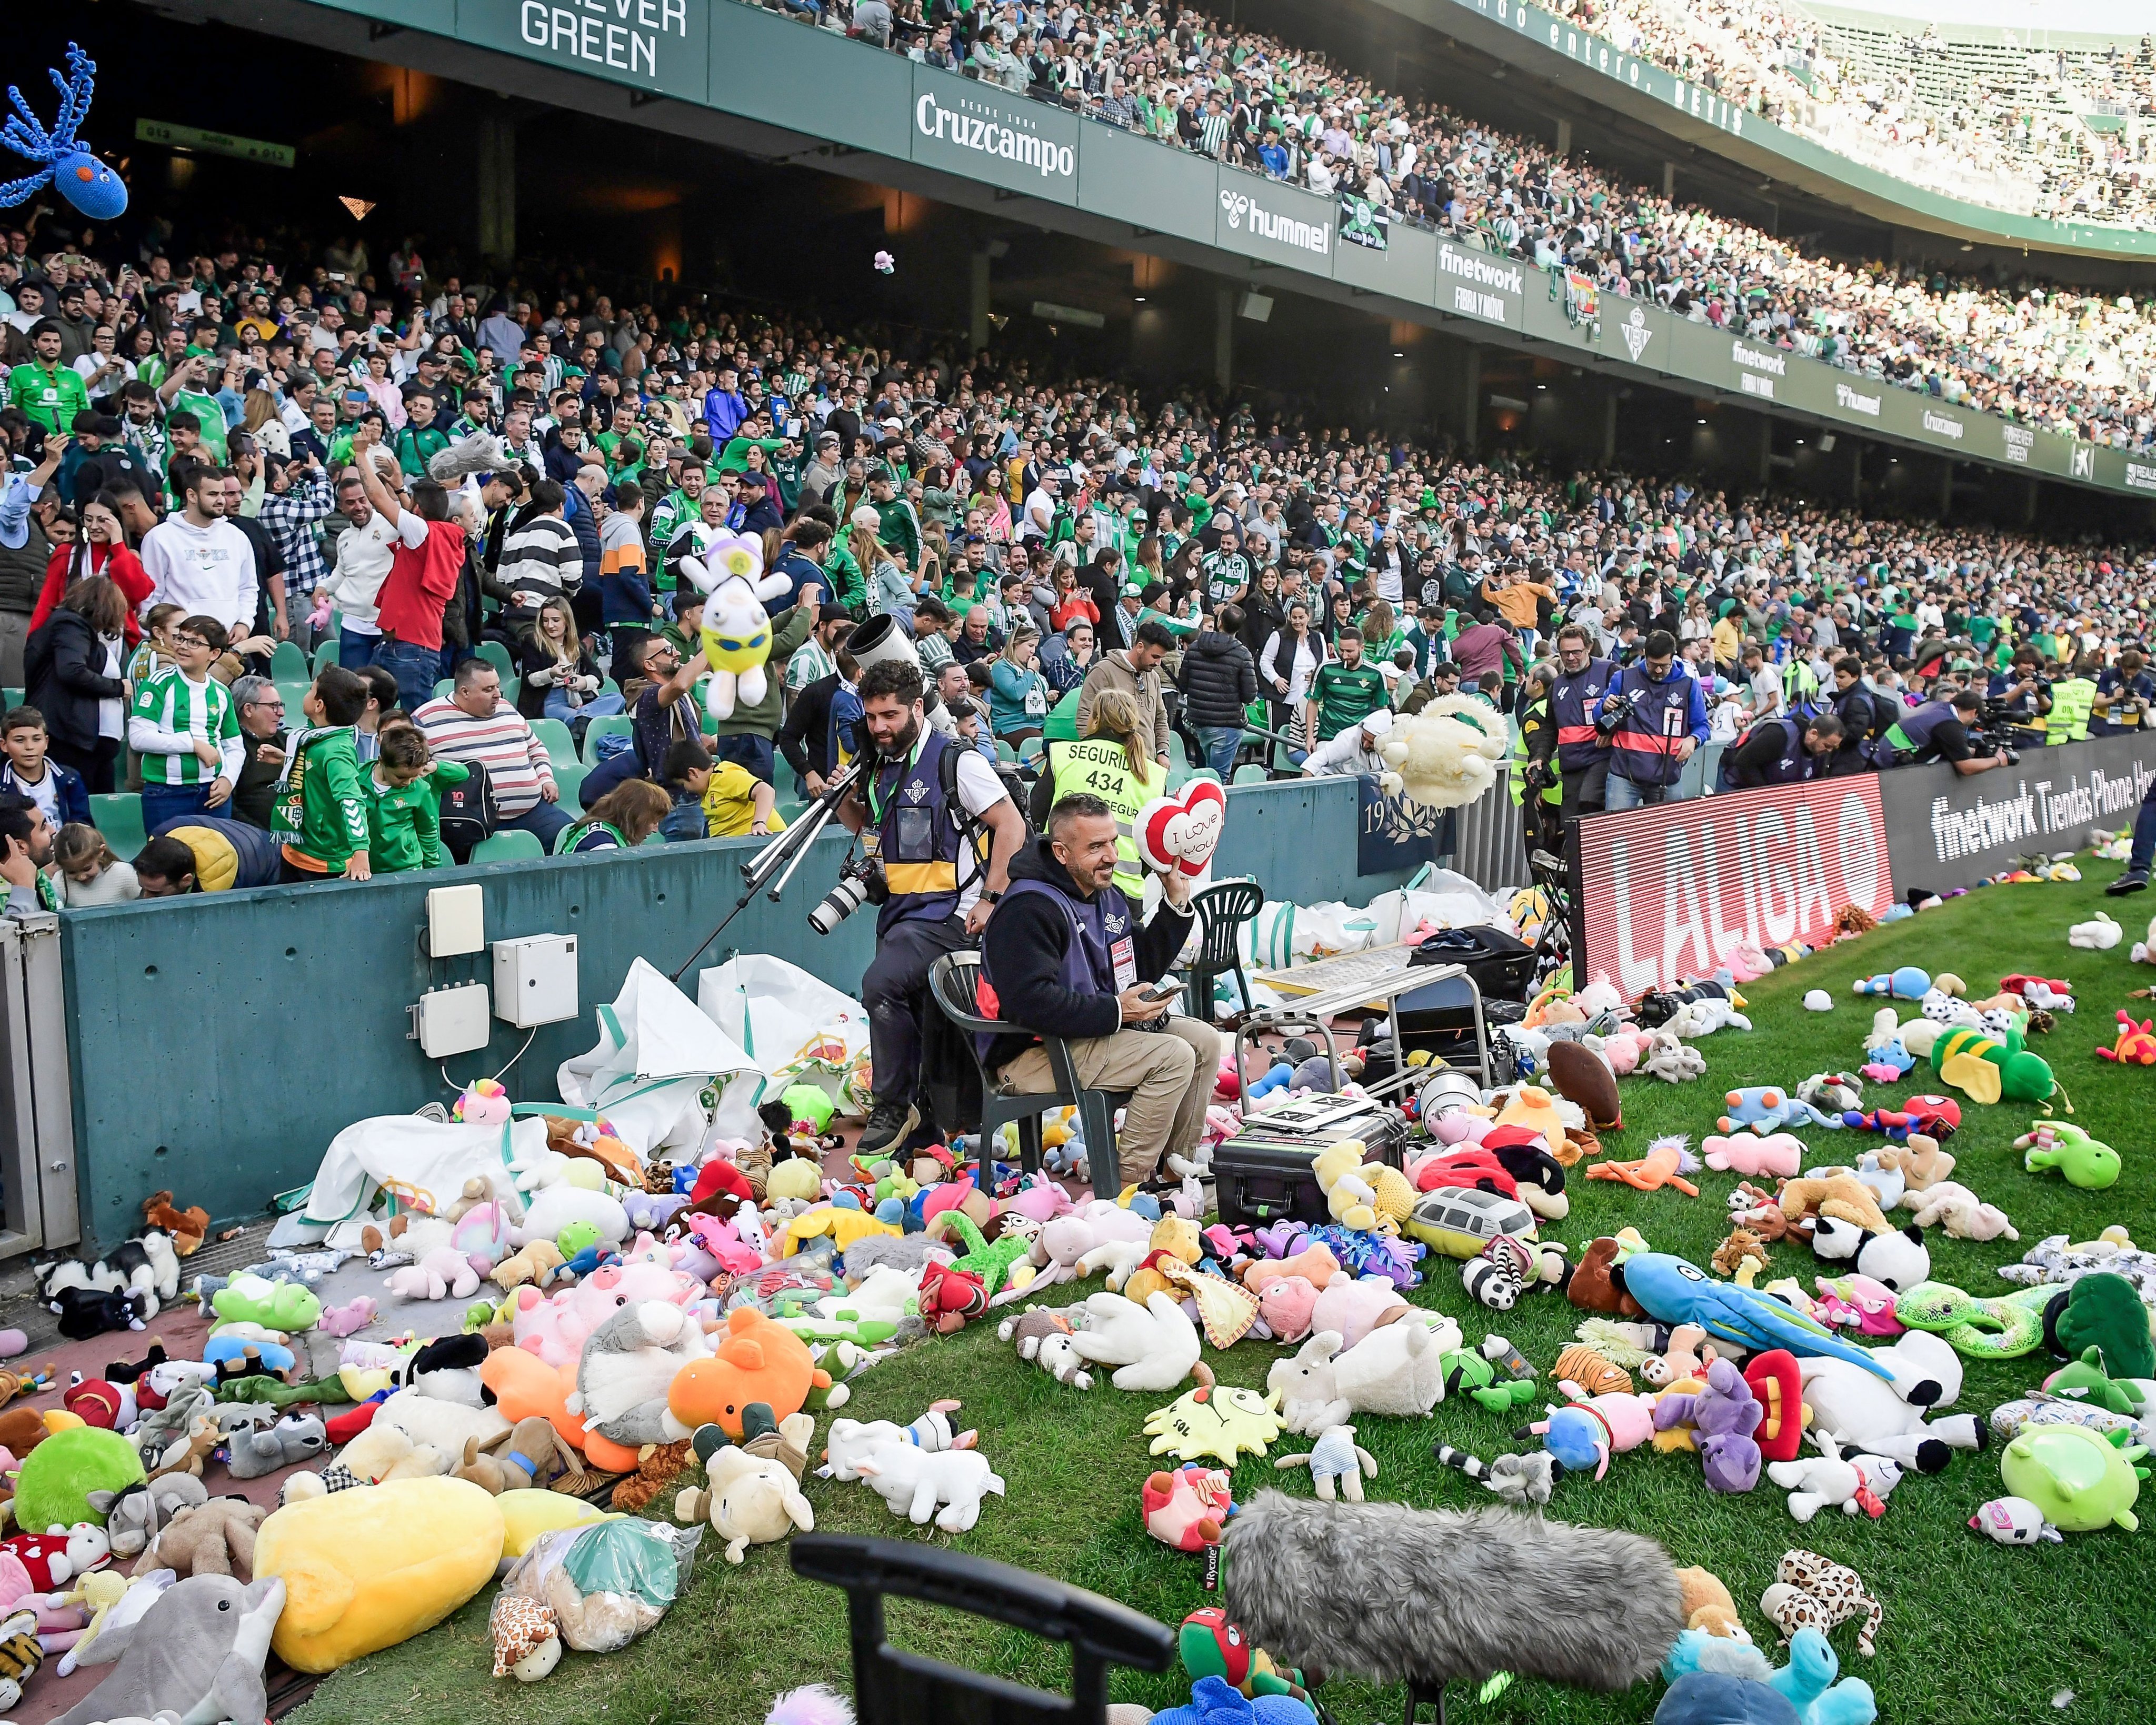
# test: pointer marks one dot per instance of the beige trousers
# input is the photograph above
(1169, 1073)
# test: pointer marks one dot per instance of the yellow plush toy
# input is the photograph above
(1349, 1195)
(367, 1569)
(736, 633)
(526, 1514)
(1174, 1237)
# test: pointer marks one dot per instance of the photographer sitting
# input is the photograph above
(942, 830)
(1781, 751)
(1939, 731)
(1065, 955)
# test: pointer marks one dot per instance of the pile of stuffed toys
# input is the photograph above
(630, 1321)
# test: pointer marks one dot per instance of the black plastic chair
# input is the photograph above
(1221, 910)
(955, 981)
(894, 1687)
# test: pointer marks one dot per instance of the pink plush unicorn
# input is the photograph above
(1779, 1155)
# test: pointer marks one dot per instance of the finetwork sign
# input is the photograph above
(1247, 216)
(2032, 813)
(1758, 368)
(978, 126)
(621, 35)
(1483, 282)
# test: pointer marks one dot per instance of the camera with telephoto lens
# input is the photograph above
(861, 881)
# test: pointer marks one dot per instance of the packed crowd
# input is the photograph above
(2037, 353)
(257, 472)
(2003, 127)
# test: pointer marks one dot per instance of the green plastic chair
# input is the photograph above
(497, 656)
(569, 775)
(325, 654)
(508, 847)
(613, 725)
(510, 688)
(791, 811)
(118, 815)
(289, 664)
(561, 746)
(1030, 747)
(1204, 773)
(11, 698)
(1250, 772)
(444, 687)
(1005, 753)
(294, 694)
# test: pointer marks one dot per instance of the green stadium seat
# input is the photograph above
(1005, 753)
(289, 664)
(613, 725)
(561, 746)
(11, 698)
(118, 816)
(497, 656)
(443, 687)
(569, 775)
(325, 654)
(508, 847)
(1250, 772)
(294, 694)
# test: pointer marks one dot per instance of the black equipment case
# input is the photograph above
(1263, 1174)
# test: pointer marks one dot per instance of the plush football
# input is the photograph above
(1180, 831)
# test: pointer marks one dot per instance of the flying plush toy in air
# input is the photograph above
(65, 162)
(1447, 754)
(736, 629)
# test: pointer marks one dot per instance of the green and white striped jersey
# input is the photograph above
(170, 703)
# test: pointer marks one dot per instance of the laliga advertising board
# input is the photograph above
(1664, 891)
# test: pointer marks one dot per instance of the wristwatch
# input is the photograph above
(991, 898)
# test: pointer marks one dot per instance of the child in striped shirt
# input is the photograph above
(185, 728)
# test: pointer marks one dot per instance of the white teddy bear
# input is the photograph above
(913, 1482)
(1447, 754)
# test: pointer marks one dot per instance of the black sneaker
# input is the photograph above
(2133, 880)
(889, 1123)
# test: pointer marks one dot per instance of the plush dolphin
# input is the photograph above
(1680, 1293)
(197, 1653)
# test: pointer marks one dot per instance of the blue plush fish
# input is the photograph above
(1680, 1293)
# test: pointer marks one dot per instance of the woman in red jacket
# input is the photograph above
(100, 548)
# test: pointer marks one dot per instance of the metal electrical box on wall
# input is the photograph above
(535, 979)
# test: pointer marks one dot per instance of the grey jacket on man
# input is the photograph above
(1112, 670)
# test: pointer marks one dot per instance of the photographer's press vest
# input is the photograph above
(1572, 703)
(1911, 735)
(916, 836)
(1791, 766)
(1100, 958)
(1100, 766)
(1642, 750)
(2072, 701)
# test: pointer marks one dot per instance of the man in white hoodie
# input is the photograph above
(198, 560)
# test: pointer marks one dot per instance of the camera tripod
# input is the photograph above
(784, 853)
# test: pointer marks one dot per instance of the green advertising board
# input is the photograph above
(743, 61)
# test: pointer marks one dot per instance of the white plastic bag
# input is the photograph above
(421, 1163)
(1282, 934)
(656, 1053)
(794, 1026)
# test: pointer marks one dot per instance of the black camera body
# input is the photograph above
(1614, 710)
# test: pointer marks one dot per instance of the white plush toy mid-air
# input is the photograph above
(736, 629)
(1446, 754)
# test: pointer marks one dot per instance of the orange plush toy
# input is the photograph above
(1666, 1163)
(758, 1361)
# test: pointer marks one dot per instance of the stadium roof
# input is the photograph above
(2037, 23)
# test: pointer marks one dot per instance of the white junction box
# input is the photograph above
(535, 979)
(456, 921)
(451, 1020)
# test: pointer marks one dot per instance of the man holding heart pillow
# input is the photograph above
(1065, 955)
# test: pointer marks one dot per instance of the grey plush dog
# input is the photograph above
(1394, 1595)
(197, 1653)
(133, 1516)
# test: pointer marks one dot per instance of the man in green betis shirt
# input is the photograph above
(1344, 691)
(48, 392)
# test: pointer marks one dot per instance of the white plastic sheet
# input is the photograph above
(793, 1026)
(421, 1163)
(656, 1055)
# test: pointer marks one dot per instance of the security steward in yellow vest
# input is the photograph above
(1534, 741)
(2073, 700)
(941, 831)
(1100, 766)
